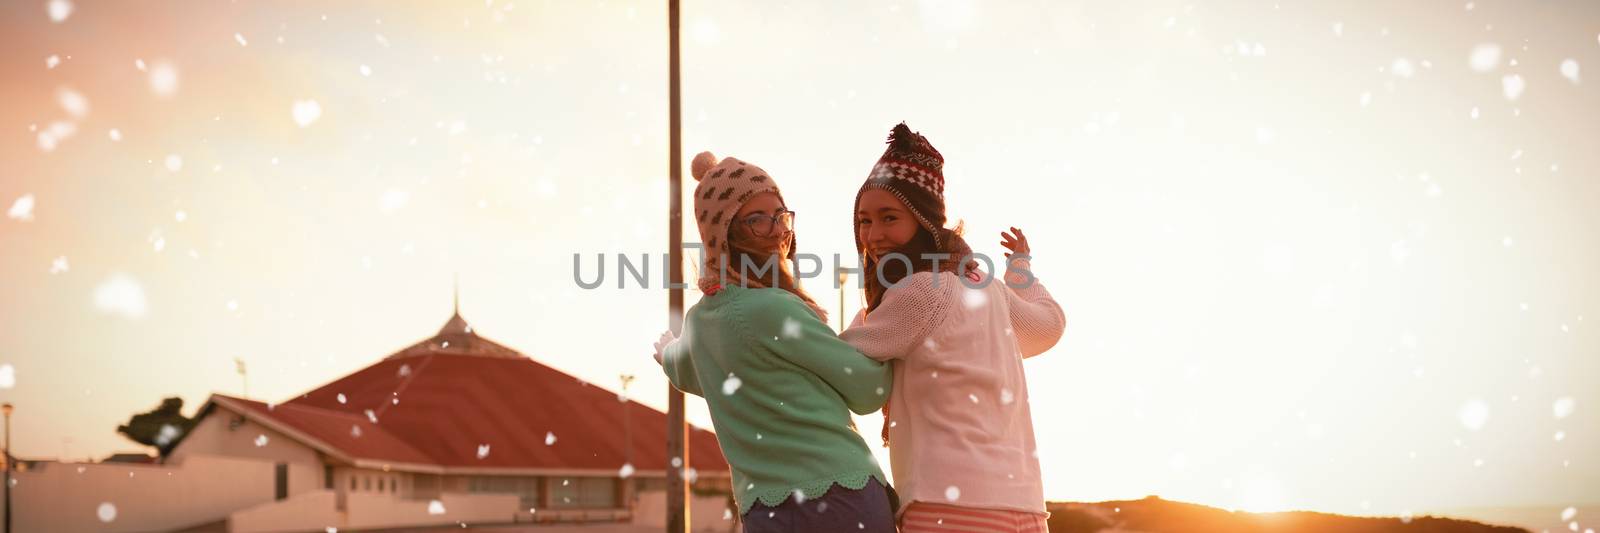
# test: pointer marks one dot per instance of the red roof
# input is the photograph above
(435, 403)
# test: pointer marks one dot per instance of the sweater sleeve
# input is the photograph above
(785, 327)
(679, 367)
(908, 313)
(1035, 317)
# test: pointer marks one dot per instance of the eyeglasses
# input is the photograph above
(763, 225)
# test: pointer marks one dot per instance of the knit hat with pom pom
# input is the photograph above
(724, 187)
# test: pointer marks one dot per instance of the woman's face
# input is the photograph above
(883, 223)
(764, 212)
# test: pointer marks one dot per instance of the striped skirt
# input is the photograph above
(923, 517)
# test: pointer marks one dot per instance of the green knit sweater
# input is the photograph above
(780, 386)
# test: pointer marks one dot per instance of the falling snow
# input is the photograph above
(1484, 57)
(549, 438)
(1569, 70)
(791, 328)
(952, 493)
(174, 162)
(163, 78)
(261, 440)
(59, 10)
(120, 295)
(1563, 407)
(239, 38)
(731, 385)
(1474, 414)
(306, 112)
(52, 61)
(107, 512)
(483, 451)
(8, 376)
(975, 298)
(1512, 85)
(435, 507)
(22, 209)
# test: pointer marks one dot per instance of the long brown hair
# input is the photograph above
(742, 249)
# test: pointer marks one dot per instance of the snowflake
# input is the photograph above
(8, 376)
(59, 10)
(366, 70)
(952, 493)
(975, 298)
(549, 438)
(341, 398)
(1474, 414)
(626, 471)
(115, 135)
(22, 209)
(483, 451)
(107, 512)
(163, 78)
(435, 507)
(306, 112)
(1006, 397)
(174, 162)
(1569, 70)
(1568, 514)
(731, 385)
(393, 199)
(1512, 85)
(1402, 68)
(120, 295)
(1563, 406)
(261, 440)
(1484, 57)
(52, 61)
(791, 328)
(167, 434)
(239, 37)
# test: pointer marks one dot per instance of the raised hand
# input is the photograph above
(1015, 241)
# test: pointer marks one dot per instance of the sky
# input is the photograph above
(1330, 256)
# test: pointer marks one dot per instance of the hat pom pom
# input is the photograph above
(901, 137)
(702, 163)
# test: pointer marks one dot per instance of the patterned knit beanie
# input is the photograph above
(913, 171)
(724, 187)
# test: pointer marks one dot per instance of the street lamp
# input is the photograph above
(7, 409)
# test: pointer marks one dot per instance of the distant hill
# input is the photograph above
(1155, 515)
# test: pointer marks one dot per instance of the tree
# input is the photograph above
(162, 427)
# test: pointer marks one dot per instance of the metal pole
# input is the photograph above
(677, 430)
(9, 460)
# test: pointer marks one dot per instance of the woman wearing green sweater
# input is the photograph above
(779, 383)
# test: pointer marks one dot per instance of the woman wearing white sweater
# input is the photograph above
(958, 426)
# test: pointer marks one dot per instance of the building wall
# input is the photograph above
(213, 437)
(68, 496)
(308, 511)
(706, 513)
(379, 510)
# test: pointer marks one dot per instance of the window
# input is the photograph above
(281, 483)
(352, 483)
(327, 477)
(366, 483)
(584, 493)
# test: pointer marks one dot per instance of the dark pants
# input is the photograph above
(866, 510)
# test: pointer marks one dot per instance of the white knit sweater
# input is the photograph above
(961, 432)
